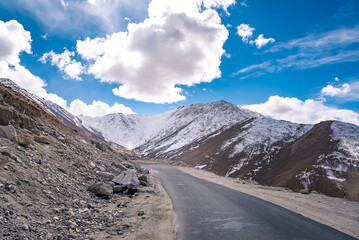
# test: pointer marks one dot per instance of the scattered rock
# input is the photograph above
(43, 139)
(131, 191)
(128, 165)
(142, 170)
(24, 141)
(36, 160)
(44, 196)
(143, 183)
(304, 191)
(89, 206)
(141, 213)
(68, 237)
(119, 166)
(119, 188)
(61, 139)
(143, 178)
(8, 132)
(11, 188)
(62, 170)
(25, 227)
(101, 146)
(102, 190)
(105, 175)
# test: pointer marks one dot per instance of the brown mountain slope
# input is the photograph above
(298, 165)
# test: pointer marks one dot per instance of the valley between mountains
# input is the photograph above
(59, 172)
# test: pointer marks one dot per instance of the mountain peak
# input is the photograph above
(189, 122)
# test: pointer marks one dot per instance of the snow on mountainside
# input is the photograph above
(348, 136)
(69, 119)
(263, 136)
(179, 126)
(345, 154)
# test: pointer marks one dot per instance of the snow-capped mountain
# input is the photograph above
(235, 142)
(179, 126)
(60, 113)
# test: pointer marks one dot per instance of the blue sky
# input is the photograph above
(291, 60)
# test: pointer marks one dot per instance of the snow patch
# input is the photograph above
(200, 166)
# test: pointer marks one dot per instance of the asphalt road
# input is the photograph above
(209, 211)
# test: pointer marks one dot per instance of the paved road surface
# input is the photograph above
(210, 211)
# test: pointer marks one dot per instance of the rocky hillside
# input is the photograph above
(230, 141)
(58, 184)
(54, 109)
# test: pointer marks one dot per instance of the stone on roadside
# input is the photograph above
(143, 178)
(119, 188)
(131, 191)
(141, 169)
(102, 190)
(127, 178)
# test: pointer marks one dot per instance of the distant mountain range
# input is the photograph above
(235, 142)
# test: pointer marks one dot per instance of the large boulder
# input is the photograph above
(8, 132)
(127, 178)
(102, 190)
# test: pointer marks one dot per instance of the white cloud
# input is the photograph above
(244, 3)
(336, 79)
(309, 111)
(14, 39)
(79, 17)
(333, 91)
(64, 4)
(68, 66)
(180, 43)
(245, 32)
(97, 108)
(227, 55)
(261, 41)
(345, 93)
(313, 50)
(45, 36)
